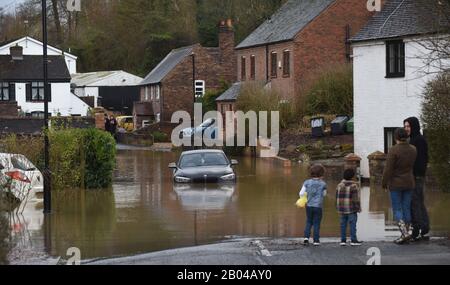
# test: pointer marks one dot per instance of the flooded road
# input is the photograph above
(144, 212)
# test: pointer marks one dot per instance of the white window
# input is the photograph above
(158, 92)
(200, 89)
(146, 94)
(158, 117)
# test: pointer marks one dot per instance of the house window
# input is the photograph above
(146, 94)
(252, 67)
(389, 140)
(286, 63)
(395, 59)
(243, 69)
(158, 92)
(152, 92)
(35, 92)
(274, 63)
(4, 91)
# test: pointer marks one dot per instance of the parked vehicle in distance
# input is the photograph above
(126, 123)
(208, 127)
(204, 166)
(25, 179)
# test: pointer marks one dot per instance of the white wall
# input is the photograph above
(381, 102)
(33, 47)
(119, 79)
(88, 92)
(63, 101)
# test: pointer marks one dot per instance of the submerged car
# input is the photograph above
(24, 179)
(204, 166)
(208, 129)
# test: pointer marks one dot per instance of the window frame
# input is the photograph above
(273, 64)
(386, 140)
(253, 67)
(287, 65)
(5, 86)
(243, 68)
(398, 57)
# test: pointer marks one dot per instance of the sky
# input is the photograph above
(9, 5)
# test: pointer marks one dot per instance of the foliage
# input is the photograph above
(79, 158)
(100, 34)
(209, 100)
(99, 158)
(255, 97)
(160, 137)
(330, 91)
(436, 117)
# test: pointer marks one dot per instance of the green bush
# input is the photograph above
(255, 97)
(209, 100)
(330, 91)
(79, 158)
(436, 118)
(160, 137)
(99, 158)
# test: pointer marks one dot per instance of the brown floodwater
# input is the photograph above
(144, 212)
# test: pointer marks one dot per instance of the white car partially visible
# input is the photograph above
(26, 179)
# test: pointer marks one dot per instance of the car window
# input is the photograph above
(203, 159)
(19, 163)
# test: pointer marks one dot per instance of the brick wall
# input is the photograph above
(177, 88)
(8, 109)
(322, 43)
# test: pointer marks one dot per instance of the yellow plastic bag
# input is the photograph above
(301, 203)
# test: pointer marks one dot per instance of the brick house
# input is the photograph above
(169, 87)
(301, 37)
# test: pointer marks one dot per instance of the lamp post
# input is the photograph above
(47, 175)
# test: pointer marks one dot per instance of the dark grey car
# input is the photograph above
(204, 166)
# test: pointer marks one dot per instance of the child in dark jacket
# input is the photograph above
(348, 206)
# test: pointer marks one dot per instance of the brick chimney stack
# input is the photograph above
(226, 46)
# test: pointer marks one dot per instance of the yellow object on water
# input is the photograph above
(301, 203)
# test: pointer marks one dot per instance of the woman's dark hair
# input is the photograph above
(349, 174)
(317, 171)
(401, 134)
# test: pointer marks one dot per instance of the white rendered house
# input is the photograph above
(390, 72)
(34, 47)
(21, 81)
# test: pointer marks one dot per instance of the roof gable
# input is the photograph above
(400, 18)
(286, 23)
(11, 43)
(167, 65)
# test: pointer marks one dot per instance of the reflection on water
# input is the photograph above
(145, 212)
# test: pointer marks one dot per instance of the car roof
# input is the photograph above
(203, 151)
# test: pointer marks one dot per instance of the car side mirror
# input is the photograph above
(234, 162)
(173, 165)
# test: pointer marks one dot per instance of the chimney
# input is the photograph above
(16, 52)
(226, 47)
